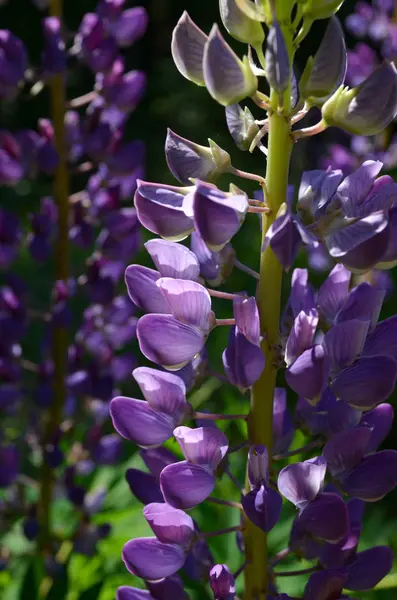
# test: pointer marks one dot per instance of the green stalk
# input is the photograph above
(268, 298)
(60, 336)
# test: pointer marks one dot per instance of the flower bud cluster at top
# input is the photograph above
(41, 438)
(339, 360)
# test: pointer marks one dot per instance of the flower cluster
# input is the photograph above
(77, 367)
(338, 360)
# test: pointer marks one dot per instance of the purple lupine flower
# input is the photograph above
(222, 583)
(278, 68)
(170, 525)
(215, 267)
(262, 504)
(54, 56)
(13, 63)
(243, 359)
(43, 225)
(150, 422)
(151, 559)
(187, 47)
(188, 483)
(11, 159)
(321, 514)
(10, 237)
(217, 216)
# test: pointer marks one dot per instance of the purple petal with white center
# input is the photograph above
(301, 482)
(263, 507)
(302, 295)
(374, 477)
(156, 459)
(243, 361)
(333, 292)
(164, 392)
(258, 465)
(169, 525)
(355, 187)
(129, 593)
(326, 517)
(379, 420)
(362, 244)
(144, 486)
(143, 291)
(188, 301)
(203, 445)
(187, 49)
(383, 340)
(325, 585)
(369, 381)
(369, 568)
(150, 559)
(222, 582)
(226, 77)
(345, 450)
(160, 210)
(247, 318)
(345, 341)
(301, 336)
(168, 342)
(218, 216)
(283, 430)
(184, 485)
(308, 375)
(364, 302)
(135, 420)
(173, 260)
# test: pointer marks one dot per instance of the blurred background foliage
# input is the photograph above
(173, 102)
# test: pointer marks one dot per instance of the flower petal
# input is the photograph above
(218, 216)
(369, 568)
(156, 459)
(364, 302)
(150, 559)
(374, 477)
(168, 342)
(129, 593)
(188, 301)
(143, 291)
(369, 381)
(160, 210)
(247, 318)
(263, 507)
(135, 420)
(345, 450)
(165, 392)
(333, 292)
(187, 49)
(203, 445)
(243, 361)
(283, 430)
(301, 482)
(184, 485)
(345, 341)
(325, 585)
(173, 260)
(379, 420)
(355, 187)
(144, 486)
(308, 375)
(301, 336)
(169, 525)
(383, 340)
(302, 295)
(326, 517)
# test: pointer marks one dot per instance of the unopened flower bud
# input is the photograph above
(278, 67)
(368, 108)
(187, 160)
(239, 25)
(325, 72)
(241, 125)
(222, 582)
(228, 79)
(187, 49)
(320, 9)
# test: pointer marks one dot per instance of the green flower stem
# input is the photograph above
(60, 335)
(268, 297)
